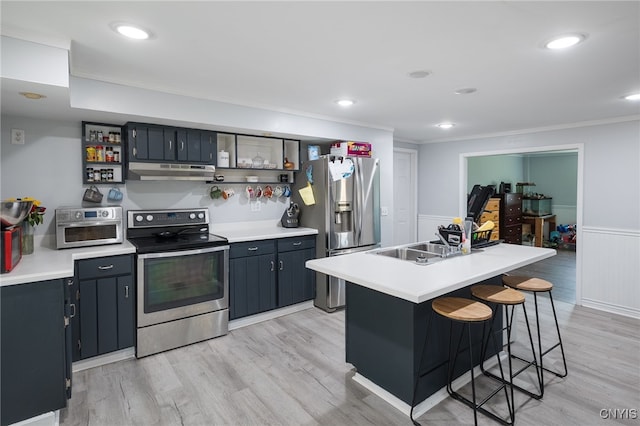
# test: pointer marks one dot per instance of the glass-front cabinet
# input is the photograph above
(102, 153)
(268, 158)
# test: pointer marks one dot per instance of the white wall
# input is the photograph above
(48, 167)
(493, 169)
(611, 205)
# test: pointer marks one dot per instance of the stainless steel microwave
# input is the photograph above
(84, 227)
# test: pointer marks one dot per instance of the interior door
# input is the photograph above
(404, 196)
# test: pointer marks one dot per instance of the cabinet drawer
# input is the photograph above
(492, 216)
(296, 243)
(512, 231)
(251, 248)
(493, 205)
(105, 266)
(512, 210)
(512, 220)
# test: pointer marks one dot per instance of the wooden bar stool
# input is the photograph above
(467, 312)
(507, 297)
(535, 286)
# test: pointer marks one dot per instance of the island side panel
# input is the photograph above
(384, 338)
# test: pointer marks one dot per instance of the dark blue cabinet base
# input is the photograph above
(32, 350)
(384, 338)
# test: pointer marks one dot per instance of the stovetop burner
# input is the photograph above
(170, 230)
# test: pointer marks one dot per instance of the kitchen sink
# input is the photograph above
(419, 253)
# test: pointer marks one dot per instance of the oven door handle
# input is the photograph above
(179, 253)
(83, 224)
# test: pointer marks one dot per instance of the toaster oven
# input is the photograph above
(83, 227)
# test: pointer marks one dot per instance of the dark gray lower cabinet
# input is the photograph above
(105, 306)
(32, 350)
(252, 278)
(296, 283)
(268, 274)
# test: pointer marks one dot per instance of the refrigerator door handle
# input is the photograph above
(359, 191)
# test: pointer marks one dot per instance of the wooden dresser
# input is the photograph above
(511, 218)
(492, 213)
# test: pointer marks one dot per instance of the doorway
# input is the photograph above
(405, 195)
(505, 166)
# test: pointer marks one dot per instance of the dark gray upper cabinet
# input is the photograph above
(195, 146)
(137, 140)
(156, 143)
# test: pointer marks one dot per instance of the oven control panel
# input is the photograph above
(157, 218)
(72, 214)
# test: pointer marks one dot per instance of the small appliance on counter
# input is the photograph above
(290, 216)
(84, 227)
(13, 213)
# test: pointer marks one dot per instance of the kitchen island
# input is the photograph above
(388, 303)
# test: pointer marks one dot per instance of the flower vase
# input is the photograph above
(27, 238)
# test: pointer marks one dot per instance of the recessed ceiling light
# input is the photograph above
(131, 31)
(31, 95)
(562, 42)
(633, 97)
(466, 91)
(445, 125)
(419, 74)
(345, 102)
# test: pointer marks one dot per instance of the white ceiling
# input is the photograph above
(302, 56)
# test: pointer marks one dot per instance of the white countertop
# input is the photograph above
(419, 283)
(47, 263)
(237, 232)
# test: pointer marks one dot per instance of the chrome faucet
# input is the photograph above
(451, 249)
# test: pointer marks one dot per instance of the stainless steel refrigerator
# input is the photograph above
(346, 214)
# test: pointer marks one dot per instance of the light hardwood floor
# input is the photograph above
(291, 371)
(560, 270)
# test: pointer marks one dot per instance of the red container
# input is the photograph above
(11, 248)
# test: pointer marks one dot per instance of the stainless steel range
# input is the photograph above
(182, 278)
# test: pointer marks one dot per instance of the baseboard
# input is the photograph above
(613, 309)
(432, 400)
(264, 316)
(100, 360)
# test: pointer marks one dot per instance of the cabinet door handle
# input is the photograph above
(126, 291)
(272, 266)
(73, 307)
(281, 265)
(105, 268)
(299, 243)
(181, 145)
(252, 248)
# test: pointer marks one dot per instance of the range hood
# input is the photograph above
(171, 171)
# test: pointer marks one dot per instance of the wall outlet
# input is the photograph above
(255, 206)
(17, 136)
(384, 211)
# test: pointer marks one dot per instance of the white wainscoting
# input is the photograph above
(428, 226)
(611, 270)
(565, 215)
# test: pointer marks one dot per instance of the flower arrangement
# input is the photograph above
(36, 215)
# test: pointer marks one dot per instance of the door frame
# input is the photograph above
(413, 153)
(579, 148)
